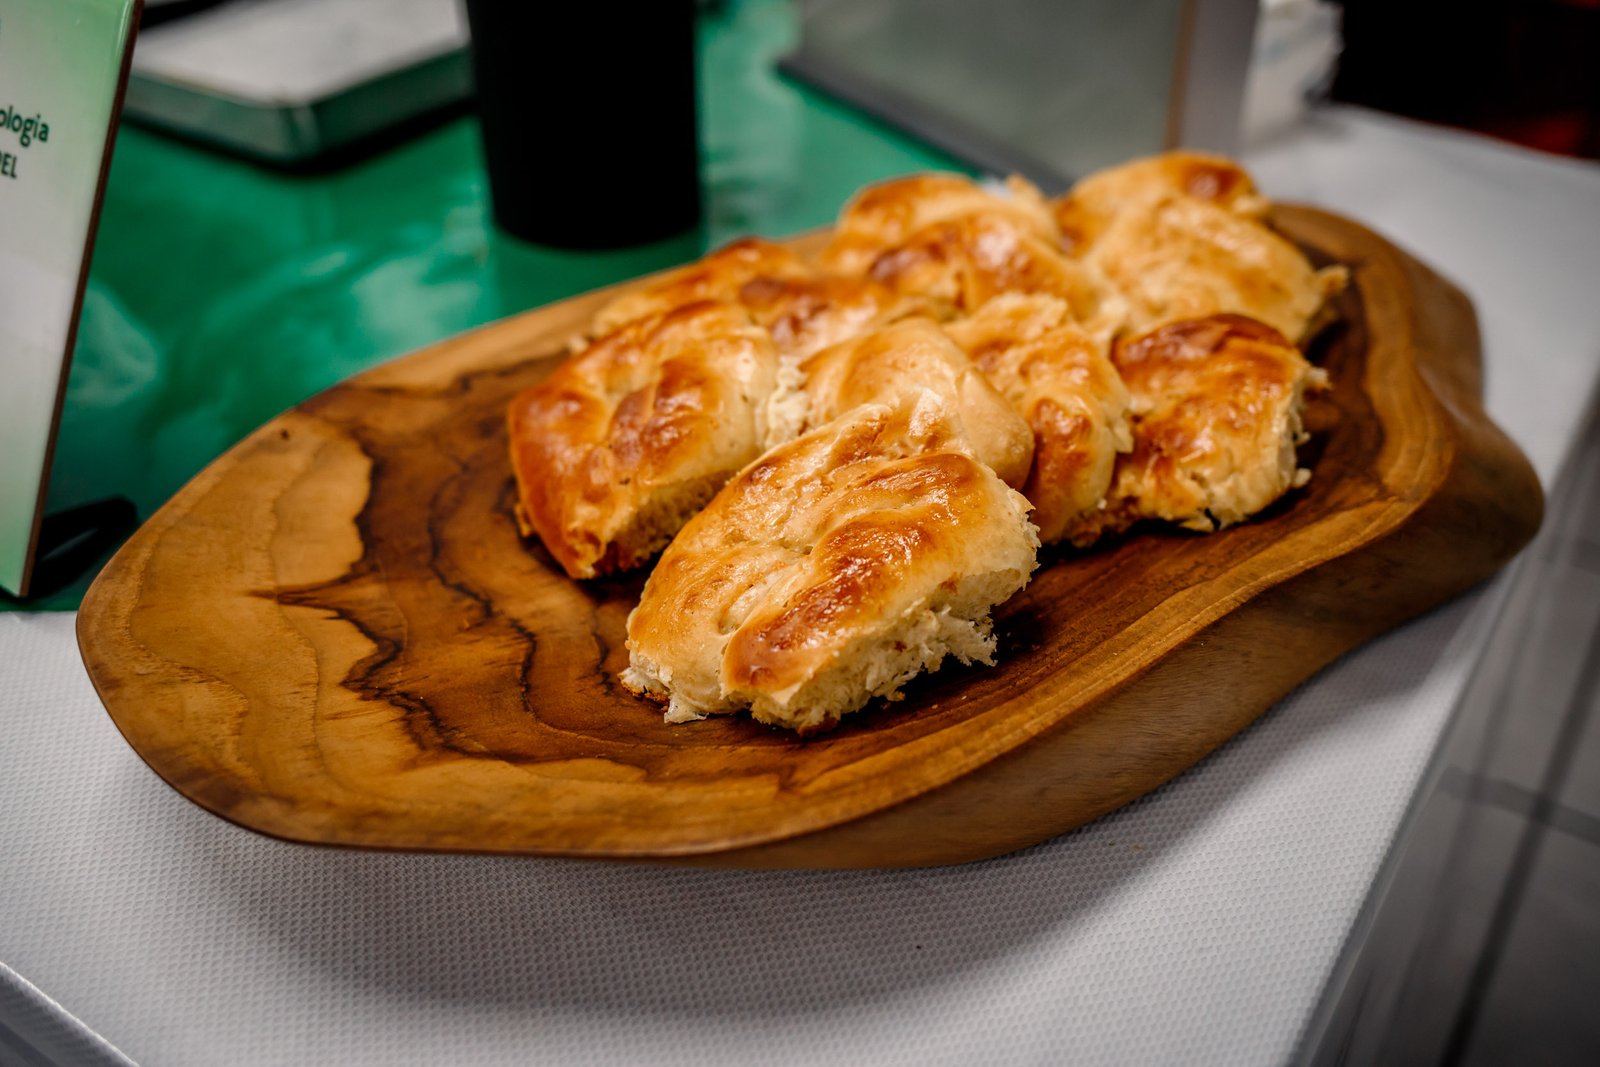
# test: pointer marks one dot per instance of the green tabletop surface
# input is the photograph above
(222, 292)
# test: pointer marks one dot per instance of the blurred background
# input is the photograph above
(1526, 71)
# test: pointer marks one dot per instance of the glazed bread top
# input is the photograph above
(803, 308)
(962, 263)
(1085, 211)
(625, 440)
(717, 276)
(1218, 408)
(1184, 258)
(814, 554)
(1061, 381)
(885, 216)
(894, 363)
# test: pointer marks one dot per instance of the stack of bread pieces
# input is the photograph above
(845, 462)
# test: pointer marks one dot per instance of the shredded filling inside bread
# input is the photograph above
(832, 571)
(880, 664)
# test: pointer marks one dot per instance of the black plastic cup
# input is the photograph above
(589, 118)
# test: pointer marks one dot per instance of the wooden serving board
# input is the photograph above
(334, 633)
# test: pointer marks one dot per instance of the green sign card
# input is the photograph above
(63, 65)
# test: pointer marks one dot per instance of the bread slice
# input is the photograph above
(831, 571)
(886, 215)
(1185, 259)
(1218, 411)
(1098, 199)
(803, 308)
(1183, 235)
(806, 315)
(962, 263)
(1061, 381)
(625, 441)
(717, 276)
(895, 362)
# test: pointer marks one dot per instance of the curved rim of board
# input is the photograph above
(865, 810)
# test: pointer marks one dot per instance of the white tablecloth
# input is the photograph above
(1198, 925)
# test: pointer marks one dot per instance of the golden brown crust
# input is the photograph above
(888, 537)
(802, 308)
(1217, 414)
(886, 215)
(806, 315)
(1186, 259)
(964, 262)
(718, 276)
(1182, 235)
(1062, 382)
(807, 564)
(897, 361)
(1089, 207)
(623, 441)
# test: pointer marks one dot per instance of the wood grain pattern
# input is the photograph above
(335, 635)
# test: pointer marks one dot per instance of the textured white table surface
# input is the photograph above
(1198, 925)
